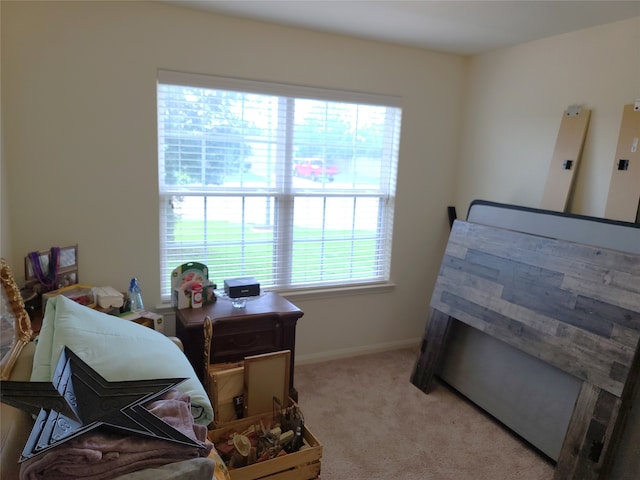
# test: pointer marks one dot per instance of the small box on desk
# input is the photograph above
(241, 287)
(147, 319)
(183, 278)
(82, 294)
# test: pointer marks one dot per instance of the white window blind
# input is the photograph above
(292, 185)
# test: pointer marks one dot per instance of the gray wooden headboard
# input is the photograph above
(572, 306)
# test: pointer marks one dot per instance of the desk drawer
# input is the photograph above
(233, 340)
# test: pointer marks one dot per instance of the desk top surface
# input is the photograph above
(221, 309)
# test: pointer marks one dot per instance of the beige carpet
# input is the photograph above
(374, 424)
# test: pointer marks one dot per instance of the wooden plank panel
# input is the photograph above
(500, 290)
(624, 189)
(574, 306)
(565, 160)
(596, 442)
(573, 444)
(473, 359)
(594, 267)
(431, 351)
(589, 438)
(573, 259)
(550, 348)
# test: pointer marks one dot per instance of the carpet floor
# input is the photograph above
(374, 424)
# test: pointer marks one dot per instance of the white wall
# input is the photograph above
(78, 84)
(79, 160)
(79, 140)
(515, 101)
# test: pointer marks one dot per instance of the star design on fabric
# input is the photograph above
(79, 400)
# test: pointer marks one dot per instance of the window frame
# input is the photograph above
(285, 192)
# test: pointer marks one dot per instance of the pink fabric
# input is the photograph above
(100, 456)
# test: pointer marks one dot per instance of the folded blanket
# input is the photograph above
(102, 455)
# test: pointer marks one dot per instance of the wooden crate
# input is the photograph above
(301, 465)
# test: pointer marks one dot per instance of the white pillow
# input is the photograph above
(117, 349)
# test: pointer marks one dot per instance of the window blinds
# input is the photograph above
(292, 185)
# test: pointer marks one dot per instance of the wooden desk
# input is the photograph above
(266, 324)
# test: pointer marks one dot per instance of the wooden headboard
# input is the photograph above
(574, 306)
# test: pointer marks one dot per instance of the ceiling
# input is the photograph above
(463, 27)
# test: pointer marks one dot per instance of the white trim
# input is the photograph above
(272, 88)
(318, 293)
(310, 294)
(357, 351)
(370, 210)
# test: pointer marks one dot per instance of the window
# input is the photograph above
(292, 185)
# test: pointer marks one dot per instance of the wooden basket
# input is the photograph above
(301, 465)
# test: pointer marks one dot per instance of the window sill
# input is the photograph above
(321, 293)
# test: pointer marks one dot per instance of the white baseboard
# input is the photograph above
(356, 351)
(170, 330)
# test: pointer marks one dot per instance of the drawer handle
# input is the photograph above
(250, 343)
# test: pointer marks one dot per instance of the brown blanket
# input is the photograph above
(100, 456)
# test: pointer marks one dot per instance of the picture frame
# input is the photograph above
(15, 324)
(266, 377)
(67, 273)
